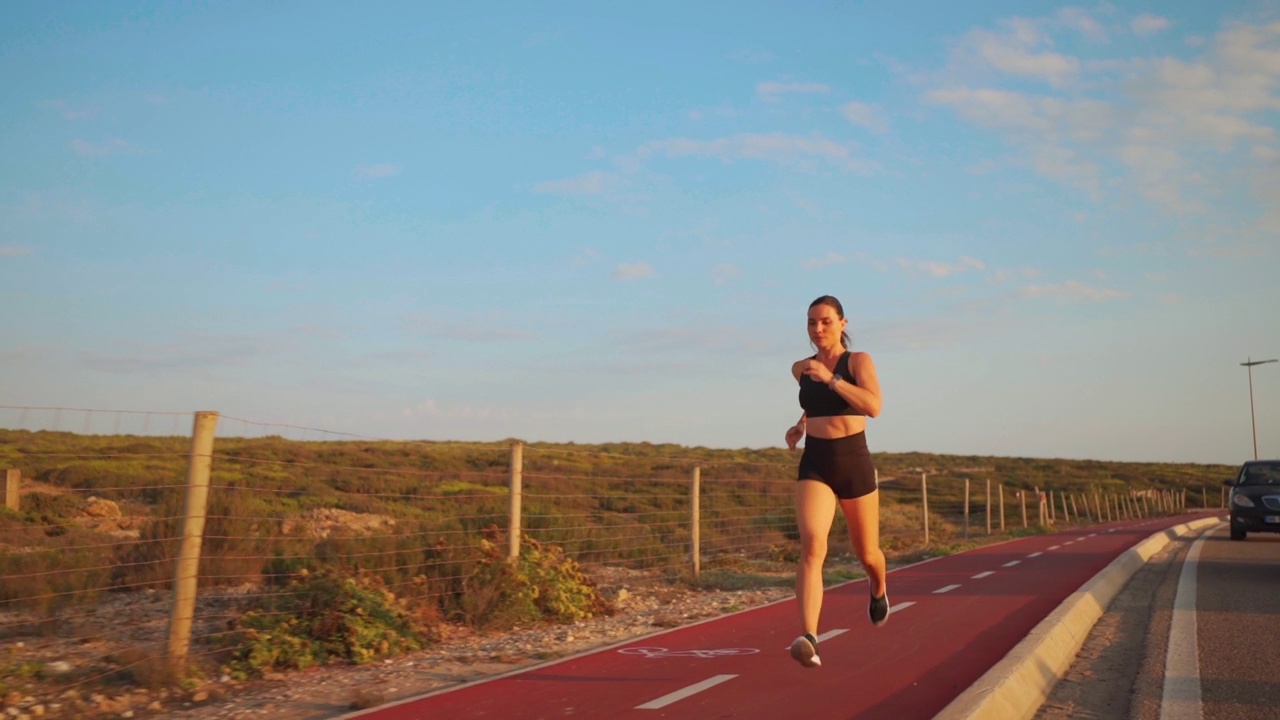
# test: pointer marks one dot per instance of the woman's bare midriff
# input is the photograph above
(838, 426)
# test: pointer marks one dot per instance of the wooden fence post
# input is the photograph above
(988, 506)
(1001, 507)
(695, 521)
(12, 481)
(517, 493)
(1053, 509)
(966, 508)
(924, 502)
(1075, 509)
(1066, 514)
(187, 572)
(1023, 494)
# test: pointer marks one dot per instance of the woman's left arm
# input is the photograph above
(865, 396)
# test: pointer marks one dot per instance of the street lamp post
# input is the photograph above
(1252, 421)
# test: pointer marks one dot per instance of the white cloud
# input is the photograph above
(1170, 299)
(633, 271)
(1164, 127)
(772, 91)
(867, 116)
(1146, 25)
(941, 270)
(114, 146)
(830, 258)
(592, 183)
(723, 273)
(586, 256)
(1071, 291)
(14, 250)
(781, 148)
(380, 170)
(1020, 48)
(1080, 20)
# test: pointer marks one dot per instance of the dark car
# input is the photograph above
(1255, 498)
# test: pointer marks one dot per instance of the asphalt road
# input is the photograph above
(1238, 626)
(1122, 671)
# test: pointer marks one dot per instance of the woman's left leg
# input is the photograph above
(862, 515)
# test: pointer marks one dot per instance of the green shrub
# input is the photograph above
(324, 617)
(543, 584)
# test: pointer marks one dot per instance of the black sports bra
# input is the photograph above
(818, 400)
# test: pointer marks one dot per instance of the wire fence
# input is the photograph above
(97, 527)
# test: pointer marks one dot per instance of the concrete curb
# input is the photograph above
(1018, 685)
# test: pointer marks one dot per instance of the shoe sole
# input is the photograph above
(804, 653)
(887, 611)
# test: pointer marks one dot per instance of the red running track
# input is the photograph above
(953, 618)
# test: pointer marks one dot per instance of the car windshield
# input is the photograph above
(1268, 474)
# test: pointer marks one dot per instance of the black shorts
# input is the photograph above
(843, 464)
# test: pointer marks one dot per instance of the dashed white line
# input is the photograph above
(679, 695)
(946, 589)
(1011, 563)
(903, 605)
(1035, 554)
(981, 575)
(1079, 539)
(832, 633)
(1055, 547)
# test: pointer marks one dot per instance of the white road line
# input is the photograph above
(1035, 554)
(679, 695)
(902, 605)
(1069, 542)
(981, 575)
(1181, 700)
(1055, 547)
(946, 589)
(1011, 563)
(1079, 539)
(830, 634)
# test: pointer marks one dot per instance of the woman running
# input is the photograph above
(838, 392)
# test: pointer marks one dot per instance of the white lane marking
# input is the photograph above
(981, 575)
(1079, 539)
(832, 633)
(1181, 700)
(902, 605)
(679, 695)
(1011, 563)
(946, 589)
(1035, 554)
(1069, 542)
(1055, 547)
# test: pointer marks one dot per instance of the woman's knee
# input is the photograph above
(813, 548)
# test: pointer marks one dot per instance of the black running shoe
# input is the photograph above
(879, 610)
(805, 651)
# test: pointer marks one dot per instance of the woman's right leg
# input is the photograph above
(815, 511)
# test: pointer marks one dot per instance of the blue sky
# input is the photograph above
(1056, 228)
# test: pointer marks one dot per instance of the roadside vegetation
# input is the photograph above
(355, 550)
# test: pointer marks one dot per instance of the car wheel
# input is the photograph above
(1238, 534)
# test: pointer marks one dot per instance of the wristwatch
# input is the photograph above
(834, 378)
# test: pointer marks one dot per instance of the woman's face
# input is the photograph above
(825, 326)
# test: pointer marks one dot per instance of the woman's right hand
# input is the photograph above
(794, 434)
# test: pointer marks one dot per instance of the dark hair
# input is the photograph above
(834, 304)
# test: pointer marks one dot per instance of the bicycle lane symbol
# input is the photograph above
(660, 652)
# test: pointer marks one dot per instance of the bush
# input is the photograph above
(324, 617)
(543, 584)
